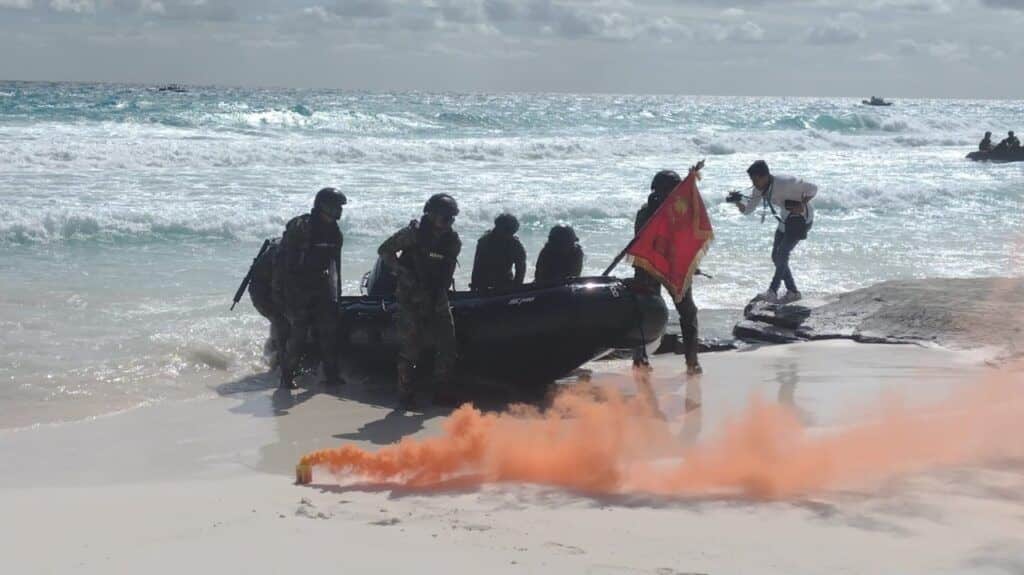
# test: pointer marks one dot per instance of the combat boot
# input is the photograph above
(406, 393)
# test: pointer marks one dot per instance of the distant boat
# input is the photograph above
(998, 155)
(177, 89)
(876, 101)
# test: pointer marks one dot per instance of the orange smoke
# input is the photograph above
(603, 442)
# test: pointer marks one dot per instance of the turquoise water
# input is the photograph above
(128, 215)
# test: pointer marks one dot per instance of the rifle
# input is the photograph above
(248, 276)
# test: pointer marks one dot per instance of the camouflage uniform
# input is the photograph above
(306, 281)
(425, 269)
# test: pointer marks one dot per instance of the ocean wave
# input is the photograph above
(713, 148)
(465, 119)
(199, 222)
(846, 123)
(117, 227)
(63, 148)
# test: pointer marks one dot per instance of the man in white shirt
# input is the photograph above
(788, 199)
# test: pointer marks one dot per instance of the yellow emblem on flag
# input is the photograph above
(680, 206)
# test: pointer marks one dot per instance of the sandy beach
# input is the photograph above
(207, 486)
(830, 193)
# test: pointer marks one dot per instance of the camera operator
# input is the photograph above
(788, 199)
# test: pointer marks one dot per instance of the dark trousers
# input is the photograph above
(781, 249)
(264, 302)
(688, 326)
(304, 311)
(687, 330)
(422, 324)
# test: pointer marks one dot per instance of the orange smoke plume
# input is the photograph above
(607, 443)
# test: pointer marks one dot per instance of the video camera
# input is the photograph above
(734, 197)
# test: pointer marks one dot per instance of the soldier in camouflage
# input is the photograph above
(307, 280)
(423, 255)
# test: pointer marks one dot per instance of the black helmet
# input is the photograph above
(329, 201)
(987, 134)
(442, 204)
(562, 235)
(664, 182)
(506, 223)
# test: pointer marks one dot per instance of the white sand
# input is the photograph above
(206, 486)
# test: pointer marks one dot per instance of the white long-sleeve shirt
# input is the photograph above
(781, 189)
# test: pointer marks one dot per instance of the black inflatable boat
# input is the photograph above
(531, 334)
(1000, 155)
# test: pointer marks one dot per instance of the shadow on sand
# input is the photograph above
(363, 412)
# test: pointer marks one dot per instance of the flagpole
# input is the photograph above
(619, 257)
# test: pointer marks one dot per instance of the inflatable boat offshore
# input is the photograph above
(998, 156)
(534, 333)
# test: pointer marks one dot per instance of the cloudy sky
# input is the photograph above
(942, 48)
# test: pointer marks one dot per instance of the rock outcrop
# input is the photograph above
(962, 313)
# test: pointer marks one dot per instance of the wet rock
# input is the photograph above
(672, 343)
(790, 316)
(956, 312)
(757, 331)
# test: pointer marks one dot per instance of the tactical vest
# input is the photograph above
(432, 259)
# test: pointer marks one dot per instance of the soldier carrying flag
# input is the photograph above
(673, 232)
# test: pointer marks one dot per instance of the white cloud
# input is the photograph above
(561, 44)
(992, 52)
(501, 10)
(152, 7)
(1008, 4)
(924, 6)
(747, 32)
(878, 57)
(941, 50)
(317, 12)
(368, 9)
(198, 10)
(76, 6)
(845, 29)
(667, 29)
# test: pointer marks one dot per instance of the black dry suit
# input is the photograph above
(561, 258)
(267, 302)
(497, 253)
(687, 308)
(306, 280)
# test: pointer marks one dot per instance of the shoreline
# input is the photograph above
(213, 478)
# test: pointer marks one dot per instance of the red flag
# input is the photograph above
(672, 243)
